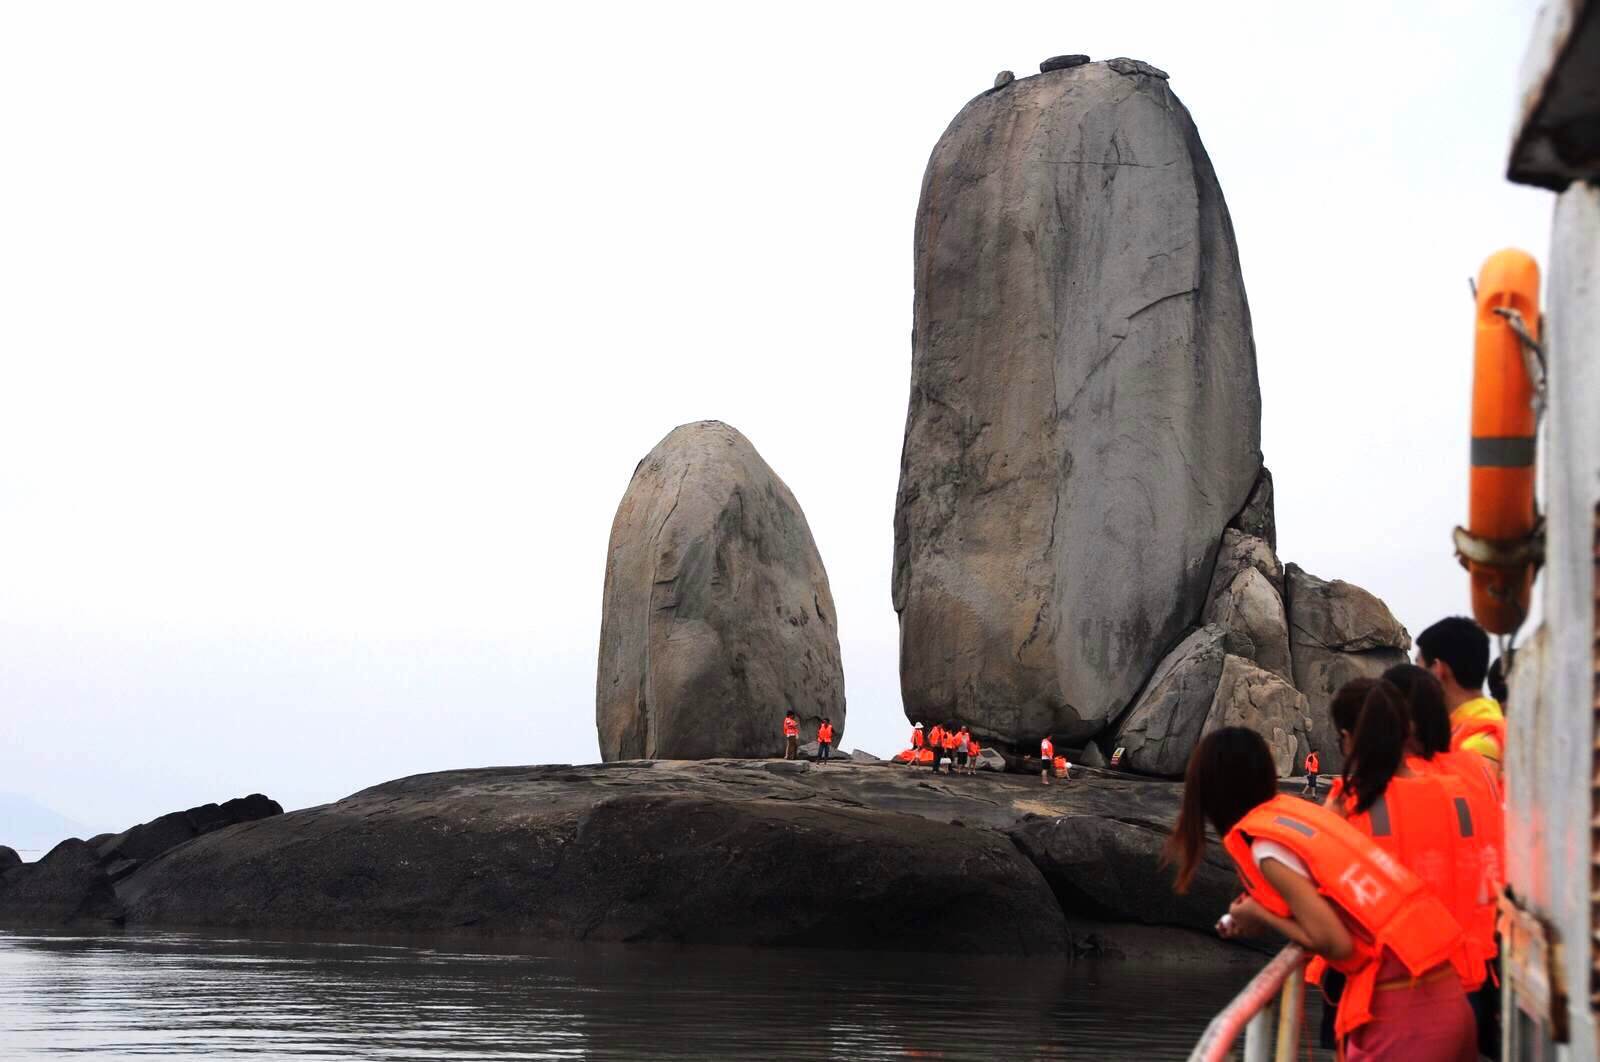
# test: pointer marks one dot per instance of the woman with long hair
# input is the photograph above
(1315, 879)
(1429, 748)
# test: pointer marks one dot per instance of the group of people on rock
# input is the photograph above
(791, 737)
(957, 747)
(1392, 882)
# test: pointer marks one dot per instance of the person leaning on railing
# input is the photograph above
(1312, 877)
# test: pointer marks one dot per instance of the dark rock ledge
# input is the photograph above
(743, 852)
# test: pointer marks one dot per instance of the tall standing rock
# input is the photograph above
(717, 615)
(1084, 416)
(1337, 632)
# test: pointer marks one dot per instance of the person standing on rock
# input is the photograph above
(973, 748)
(963, 742)
(824, 740)
(951, 738)
(916, 741)
(791, 735)
(1312, 766)
(1047, 758)
(936, 744)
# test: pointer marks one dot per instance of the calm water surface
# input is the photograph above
(141, 995)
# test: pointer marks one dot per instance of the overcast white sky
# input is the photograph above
(332, 334)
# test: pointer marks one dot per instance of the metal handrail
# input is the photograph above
(1249, 1013)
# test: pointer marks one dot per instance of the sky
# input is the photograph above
(331, 335)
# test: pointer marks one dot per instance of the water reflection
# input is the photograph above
(177, 994)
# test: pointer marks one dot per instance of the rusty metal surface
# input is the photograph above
(1553, 767)
(1557, 139)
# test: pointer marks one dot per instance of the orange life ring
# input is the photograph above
(1500, 512)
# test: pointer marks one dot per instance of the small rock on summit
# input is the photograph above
(1062, 62)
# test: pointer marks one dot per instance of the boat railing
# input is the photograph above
(1278, 990)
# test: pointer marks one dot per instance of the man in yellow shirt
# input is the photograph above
(1456, 650)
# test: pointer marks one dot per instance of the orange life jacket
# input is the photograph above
(925, 756)
(791, 726)
(1312, 763)
(951, 740)
(1046, 749)
(905, 756)
(1471, 728)
(936, 736)
(1391, 907)
(825, 733)
(1477, 776)
(973, 748)
(916, 738)
(1429, 824)
(1059, 764)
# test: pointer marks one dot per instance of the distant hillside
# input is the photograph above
(33, 829)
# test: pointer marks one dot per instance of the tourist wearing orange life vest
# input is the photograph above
(1313, 766)
(791, 735)
(1456, 651)
(1430, 743)
(824, 740)
(1047, 756)
(973, 748)
(951, 739)
(936, 744)
(1421, 815)
(916, 736)
(1314, 878)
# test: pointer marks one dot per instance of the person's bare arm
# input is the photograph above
(1316, 925)
(1313, 923)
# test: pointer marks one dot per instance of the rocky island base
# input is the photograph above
(862, 855)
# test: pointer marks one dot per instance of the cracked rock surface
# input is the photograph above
(717, 614)
(746, 852)
(1337, 632)
(1084, 417)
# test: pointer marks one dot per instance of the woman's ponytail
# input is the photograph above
(1378, 744)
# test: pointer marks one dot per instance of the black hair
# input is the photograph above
(1460, 643)
(1378, 744)
(1230, 774)
(1345, 708)
(1497, 681)
(1424, 701)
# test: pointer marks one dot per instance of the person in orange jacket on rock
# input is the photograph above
(1047, 756)
(916, 737)
(936, 744)
(824, 740)
(791, 735)
(951, 739)
(973, 748)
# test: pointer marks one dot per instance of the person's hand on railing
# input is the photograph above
(1244, 919)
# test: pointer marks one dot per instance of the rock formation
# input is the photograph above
(1337, 632)
(1084, 414)
(1249, 697)
(1199, 687)
(1162, 729)
(1246, 600)
(710, 852)
(75, 882)
(717, 615)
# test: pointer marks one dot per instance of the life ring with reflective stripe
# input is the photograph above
(1500, 511)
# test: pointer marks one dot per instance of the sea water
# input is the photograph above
(137, 995)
